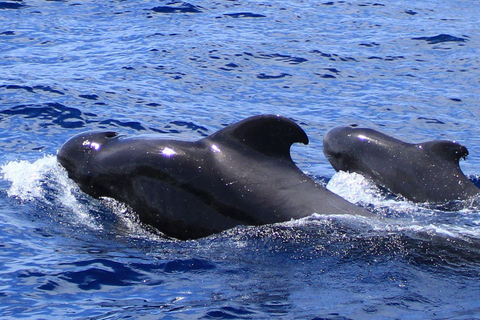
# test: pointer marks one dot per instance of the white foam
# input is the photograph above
(46, 181)
(26, 177)
(415, 218)
(357, 189)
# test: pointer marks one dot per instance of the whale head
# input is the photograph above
(343, 146)
(80, 154)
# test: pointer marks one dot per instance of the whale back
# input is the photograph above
(240, 175)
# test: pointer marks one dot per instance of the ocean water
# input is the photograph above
(185, 70)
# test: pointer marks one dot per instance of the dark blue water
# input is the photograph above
(185, 70)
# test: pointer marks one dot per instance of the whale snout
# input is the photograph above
(334, 139)
(337, 146)
(76, 154)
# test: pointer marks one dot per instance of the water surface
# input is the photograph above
(185, 70)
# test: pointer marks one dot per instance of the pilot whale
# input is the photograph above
(423, 172)
(240, 175)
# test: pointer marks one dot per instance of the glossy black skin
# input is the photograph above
(424, 172)
(241, 175)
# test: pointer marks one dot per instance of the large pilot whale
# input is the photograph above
(423, 172)
(240, 175)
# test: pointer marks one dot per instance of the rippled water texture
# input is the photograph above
(187, 69)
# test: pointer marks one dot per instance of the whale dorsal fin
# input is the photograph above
(268, 134)
(448, 150)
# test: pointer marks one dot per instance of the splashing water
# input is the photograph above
(411, 217)
(26, 177)
(44, 180)
(357, 189)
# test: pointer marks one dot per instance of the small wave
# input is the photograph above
(288, 59)
(11, 5)
(178, 7)
(57, 113)
(441, 38)
(41, 88)
(244, 15)
(264, 76)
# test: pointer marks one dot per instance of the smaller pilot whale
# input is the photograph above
(240, 175)
(424, 172)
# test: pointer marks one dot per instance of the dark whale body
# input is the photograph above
(424, 172)
(241, 175)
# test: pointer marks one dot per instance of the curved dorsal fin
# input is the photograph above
(268, 134)
(446, 149)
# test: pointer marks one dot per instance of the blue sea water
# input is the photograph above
(185, 70)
